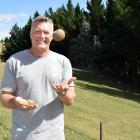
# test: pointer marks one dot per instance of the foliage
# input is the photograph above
(96, 16)
(68, 18)
(121, 42)
(84, 45)
(10, 45)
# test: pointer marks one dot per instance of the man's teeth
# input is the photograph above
(41, 41)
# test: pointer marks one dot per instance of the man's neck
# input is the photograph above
(39, 52)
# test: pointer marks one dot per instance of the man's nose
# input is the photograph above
(42, 34)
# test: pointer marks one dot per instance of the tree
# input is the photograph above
(36, 14)
(96, 16)
(130, 16)
(10, 44)
(68, 18)
(82, 52)
(19, 39)
(121, 51)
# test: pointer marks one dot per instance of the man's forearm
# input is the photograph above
(10, 101)
(69, 97)
(7, 100)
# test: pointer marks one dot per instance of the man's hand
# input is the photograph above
(25, 104)
(63, 86)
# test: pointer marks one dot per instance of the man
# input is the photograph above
(36, 84)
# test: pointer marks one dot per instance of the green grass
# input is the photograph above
(1, 70)
(5, 124)
(98, 100)
(5, 116)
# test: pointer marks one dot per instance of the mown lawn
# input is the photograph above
(1, 70)
(5, 116)
(98, 100)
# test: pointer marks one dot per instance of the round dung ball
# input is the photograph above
(58, 35)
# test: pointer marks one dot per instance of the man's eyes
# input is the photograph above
(40, 32)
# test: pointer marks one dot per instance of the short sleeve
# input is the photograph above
(9, 78)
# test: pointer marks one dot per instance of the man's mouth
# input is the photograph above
(41, 42)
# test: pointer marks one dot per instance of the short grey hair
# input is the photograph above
(42, 19)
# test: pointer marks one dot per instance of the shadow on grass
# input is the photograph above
(114, 89)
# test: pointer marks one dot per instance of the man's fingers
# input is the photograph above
(32, 103)
(21, 101)
(64, 86)
(71, 80)
(25, 104)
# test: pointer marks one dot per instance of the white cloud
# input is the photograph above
(8, 20)
(3, 34)
(10, 17)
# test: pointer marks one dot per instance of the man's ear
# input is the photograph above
(30, 34)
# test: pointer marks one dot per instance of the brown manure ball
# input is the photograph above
(58, 35)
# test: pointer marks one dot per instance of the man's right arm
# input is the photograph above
(10, 101)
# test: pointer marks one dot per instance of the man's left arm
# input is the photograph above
(65, 91)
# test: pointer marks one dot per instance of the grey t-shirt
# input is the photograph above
(31, 77)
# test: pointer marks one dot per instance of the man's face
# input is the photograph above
(41, 35)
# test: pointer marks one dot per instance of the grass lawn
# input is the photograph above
(5, 124)
(98, 100)
(5, 117)
(1, 70)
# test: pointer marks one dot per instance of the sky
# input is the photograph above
(19, 11)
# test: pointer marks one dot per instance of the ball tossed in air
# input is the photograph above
(58, 35)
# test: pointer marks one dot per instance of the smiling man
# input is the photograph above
(36, 84)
